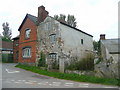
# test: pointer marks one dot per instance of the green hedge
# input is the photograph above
(7, 58)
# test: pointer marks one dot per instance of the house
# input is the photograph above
(7, 47)
(57, 40)
(15, 49)
(110, 52)
(6, 51)
(26, 43)
(60, 42)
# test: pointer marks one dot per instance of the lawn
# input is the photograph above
(73, 77)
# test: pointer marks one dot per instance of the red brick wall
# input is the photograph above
(28, 42)
(15, 49)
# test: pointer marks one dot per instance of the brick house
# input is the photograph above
(6, 51)
(15, 48)
(7, 47)
(26, 49)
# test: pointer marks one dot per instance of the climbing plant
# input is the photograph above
(42, 62)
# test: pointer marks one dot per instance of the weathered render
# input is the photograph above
(109, 67)
(60, 42)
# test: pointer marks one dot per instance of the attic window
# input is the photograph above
(27, 33)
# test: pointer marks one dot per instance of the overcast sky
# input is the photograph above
(93, 16)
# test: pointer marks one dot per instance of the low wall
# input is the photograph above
(89, 73)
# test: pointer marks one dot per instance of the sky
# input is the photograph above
(92, 16)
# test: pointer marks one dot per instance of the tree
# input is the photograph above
(7, 33)
(96, 45)
(70, 19)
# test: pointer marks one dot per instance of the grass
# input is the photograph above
(74, 77)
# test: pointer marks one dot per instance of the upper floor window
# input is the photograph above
(53, 38)
(27, 33)
(48, 26)
(81, 41)
(27, 52)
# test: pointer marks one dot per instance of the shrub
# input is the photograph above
(86, 63)
(55, 65)
(99, 60)
(42, 62)
(6, 39)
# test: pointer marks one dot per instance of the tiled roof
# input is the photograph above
(31, 17)
(7, 45)
(112, 45)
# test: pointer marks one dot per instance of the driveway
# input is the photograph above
(13, 77)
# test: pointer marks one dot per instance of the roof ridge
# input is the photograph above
(31, 15)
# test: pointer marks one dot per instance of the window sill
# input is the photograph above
(27, 38)
(26, 57)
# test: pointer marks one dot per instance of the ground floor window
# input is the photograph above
(27, 52)
(17, 54)
(53, 56)
(54, 60)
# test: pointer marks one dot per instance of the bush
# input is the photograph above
(55, 65)
(86, 63)
(6, 39)
(42, 62)
(99, 60)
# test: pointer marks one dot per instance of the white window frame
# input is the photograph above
(27, 33)
(53, 56)
(53, 38)
(27, 52)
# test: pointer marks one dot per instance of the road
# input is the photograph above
(13, 77)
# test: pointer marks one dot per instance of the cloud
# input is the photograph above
(92, 16)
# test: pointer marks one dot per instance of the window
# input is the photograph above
(17, 54)
(53, 56)
(16, 44)
(27, 52)
(53, 38)
(27, 33)
(81, 41)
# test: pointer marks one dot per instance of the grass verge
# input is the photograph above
(74, 77)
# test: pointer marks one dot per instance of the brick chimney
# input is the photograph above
(42, 14)
(102, 36)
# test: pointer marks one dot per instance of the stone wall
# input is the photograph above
(67, 41)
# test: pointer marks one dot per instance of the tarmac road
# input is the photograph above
(13, 77)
